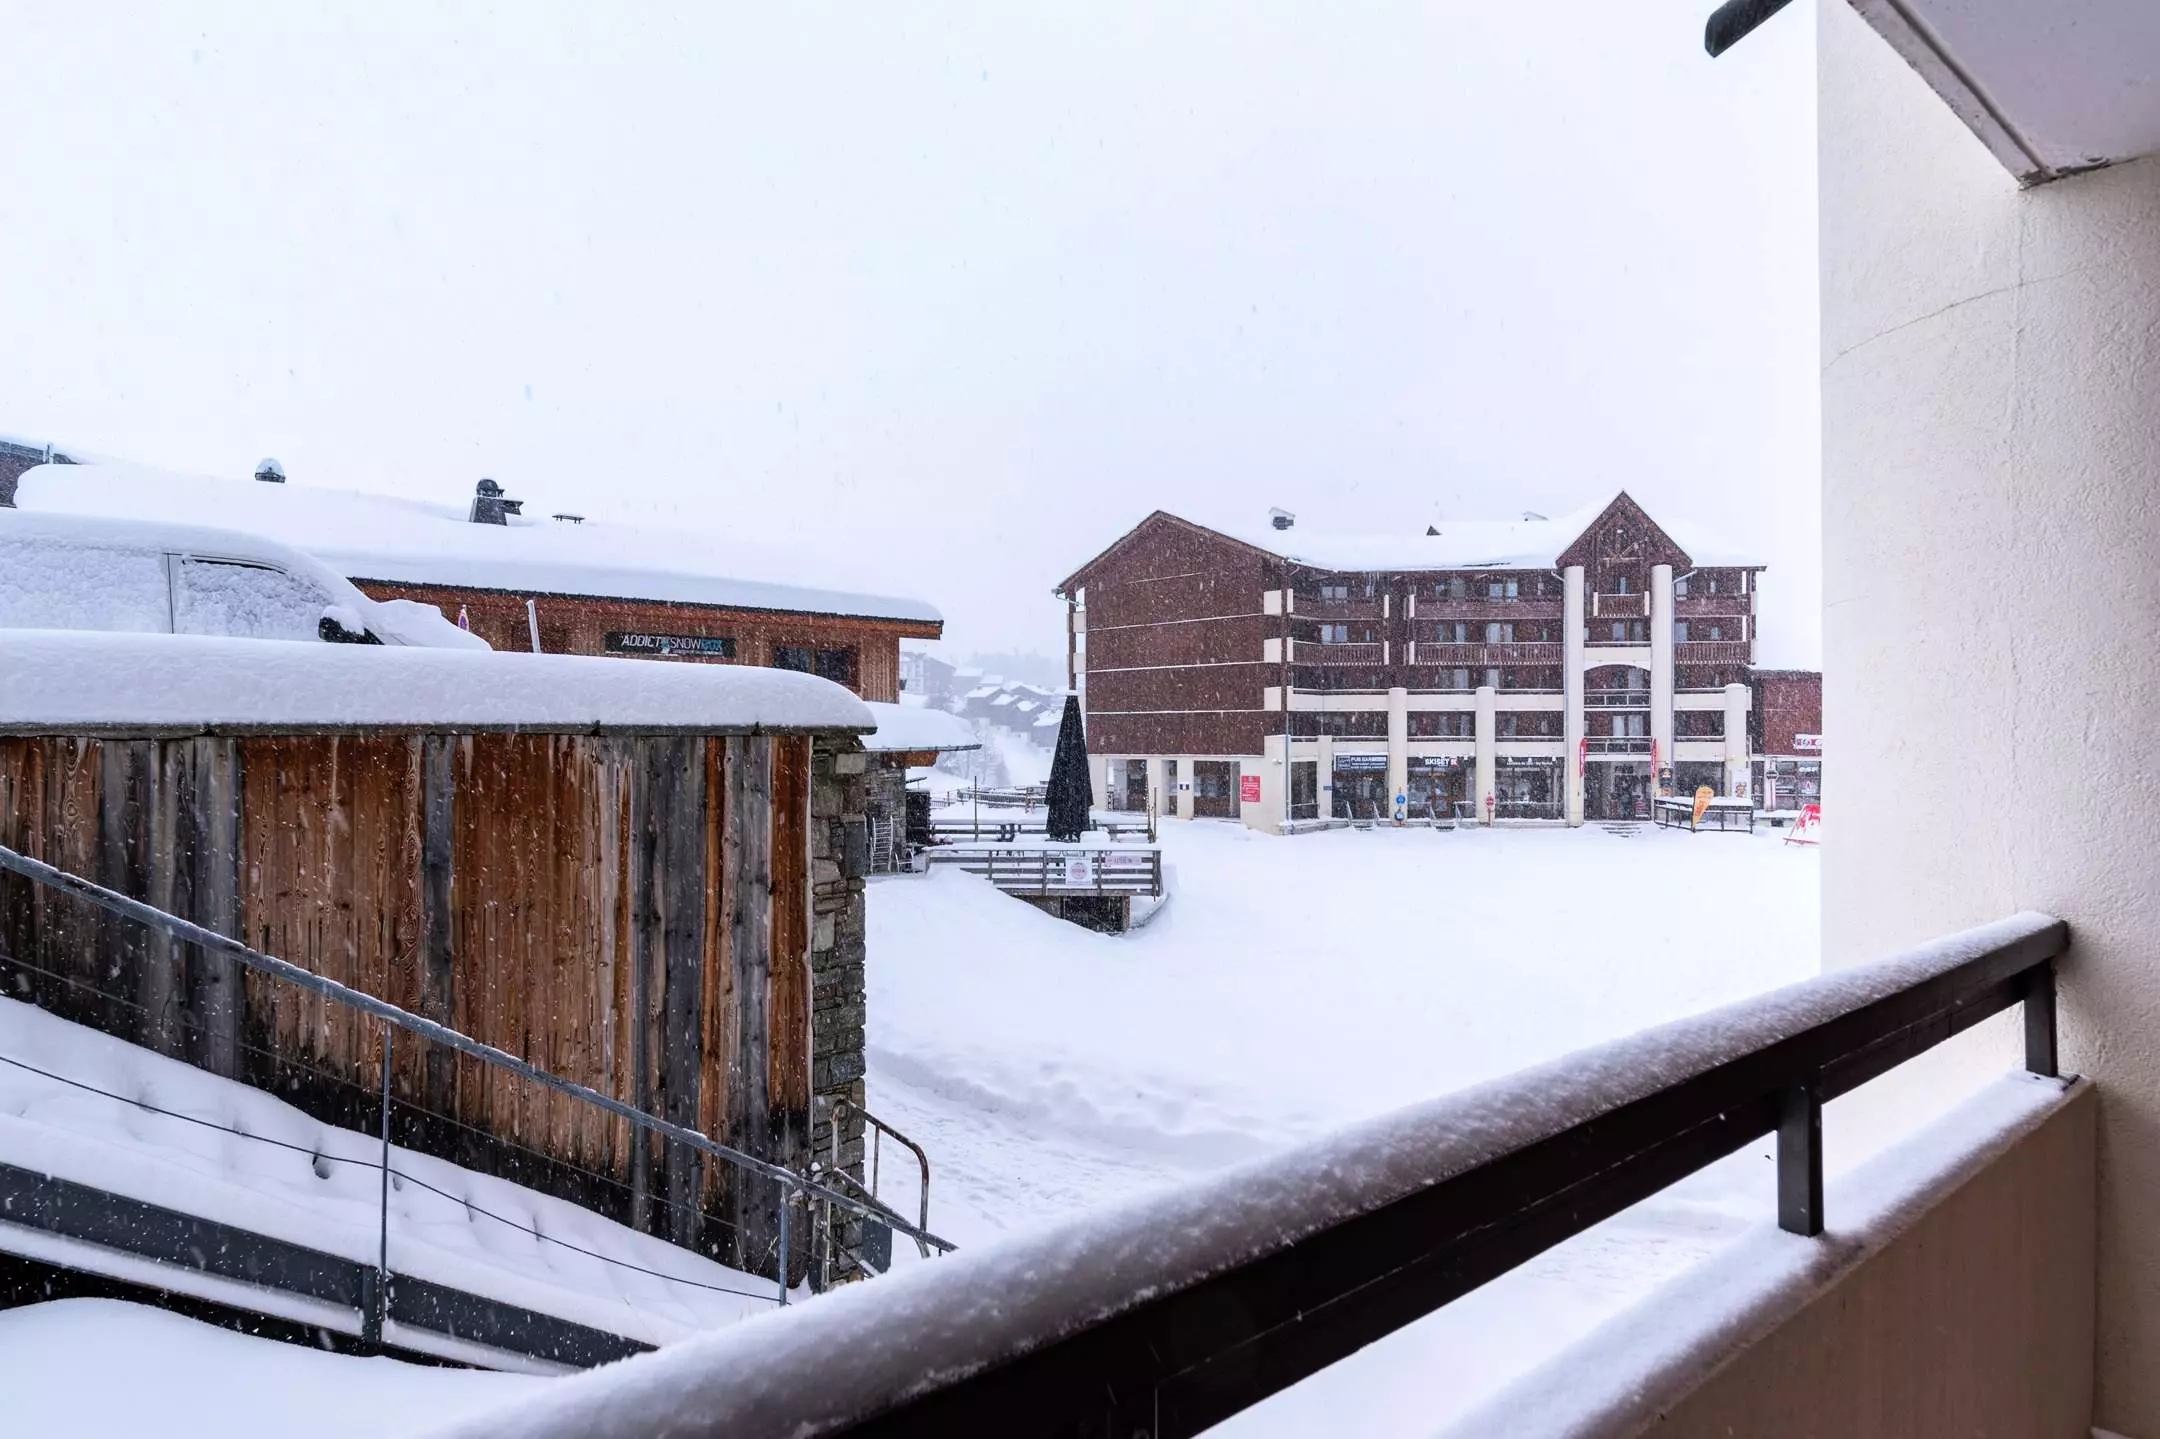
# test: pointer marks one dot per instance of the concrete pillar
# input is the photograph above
(1326, 777)
(1274, 806)
(1736, 746)
(1184, 795)
(1661, 664)
(1099, 780)
(1483, 791)
(1572, 684)
(1398, 746)
(1156, 790)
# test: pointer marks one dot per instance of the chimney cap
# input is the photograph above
(269, 471)
(488, 488)
(1281, 519)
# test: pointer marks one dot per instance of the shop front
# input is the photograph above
(1360, 786)
(1439, 787)
(1527, 788)
(1787, 784)
(1616, 789)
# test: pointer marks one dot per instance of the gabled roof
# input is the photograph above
(1529, 543)
(381, 537)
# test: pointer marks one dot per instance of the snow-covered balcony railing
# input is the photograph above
(1173, 1311)
(1617, 744)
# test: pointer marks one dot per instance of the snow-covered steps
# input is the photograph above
(118, 1161)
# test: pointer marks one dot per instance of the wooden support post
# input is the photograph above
(1799, 1161)
(438, 930)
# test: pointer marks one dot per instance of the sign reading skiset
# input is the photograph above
(631, 642)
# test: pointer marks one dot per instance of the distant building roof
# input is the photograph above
(1530, 543)
(381, 537)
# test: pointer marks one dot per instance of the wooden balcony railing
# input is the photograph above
(1166, 1317)
(1312, 607)
(1688, 607)
(1433, 652)
(1619, 607)
(1710, 652)
(1312, 652)
(1479, 609)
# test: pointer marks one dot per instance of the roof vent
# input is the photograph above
(1281, 519)
(569, 519)
(270, 472)
(1431, 531)
(491, 507)
(1532, 515)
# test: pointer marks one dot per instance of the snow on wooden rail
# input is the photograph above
(1171, 1311)
(75, 682)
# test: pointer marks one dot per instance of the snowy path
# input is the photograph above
(1295, 985)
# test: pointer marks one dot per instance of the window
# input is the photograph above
(1713, 584)
(1492, 678)
(1630, 726)
(1717, 632)
(1630, 632)
(231, 597)
(793, 657)
(1335, 591)
(1499, 632)
(837, 666)
(1498, 589)
(1679, 632)
(1620, 585)
(1679, 588)
(1334, 634)
(77, 587)
(1458, 679)
(1452, 588)
(1452, 632)
(1507, 724)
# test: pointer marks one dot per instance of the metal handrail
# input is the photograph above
(40, 872)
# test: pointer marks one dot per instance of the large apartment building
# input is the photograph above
(1561, 669)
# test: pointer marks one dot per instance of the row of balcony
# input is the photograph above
(1428, 652)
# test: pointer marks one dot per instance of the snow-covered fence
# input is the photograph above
(1093, 870)
(1175, 1310)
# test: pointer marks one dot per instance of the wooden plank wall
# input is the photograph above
(630, 913)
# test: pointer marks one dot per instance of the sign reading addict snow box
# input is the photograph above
(629, 642)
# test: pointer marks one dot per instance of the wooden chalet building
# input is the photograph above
(1560, 669)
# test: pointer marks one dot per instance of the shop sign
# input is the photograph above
(1808, 742)
(1076, 870)
(1360, 761)
(1248, 789)
(631, 642)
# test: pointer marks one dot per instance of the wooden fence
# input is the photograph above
(631, 912)
(1061, 873)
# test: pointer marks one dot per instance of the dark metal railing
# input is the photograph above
(795, 1189)
(1178, 1312)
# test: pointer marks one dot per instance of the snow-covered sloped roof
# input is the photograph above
(913, 727)
(381, 537)
(1530, 543)
(76, 588)
(70, 681)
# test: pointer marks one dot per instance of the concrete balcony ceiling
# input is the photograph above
(2050, 88)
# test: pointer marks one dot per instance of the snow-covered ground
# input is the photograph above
(100, 1369)
(1291, 986)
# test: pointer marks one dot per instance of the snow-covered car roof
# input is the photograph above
(397, 622)
(917, 728)
(382, 537)
(75, 681)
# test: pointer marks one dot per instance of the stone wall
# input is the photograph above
(839, 853)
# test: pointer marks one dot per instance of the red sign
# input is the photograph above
(1249, 788)
(1809, 829)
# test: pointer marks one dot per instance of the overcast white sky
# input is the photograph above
(949, 295)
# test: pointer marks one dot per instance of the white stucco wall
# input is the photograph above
(1991, 424)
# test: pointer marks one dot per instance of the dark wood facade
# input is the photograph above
(582, 624)
(633, 912)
